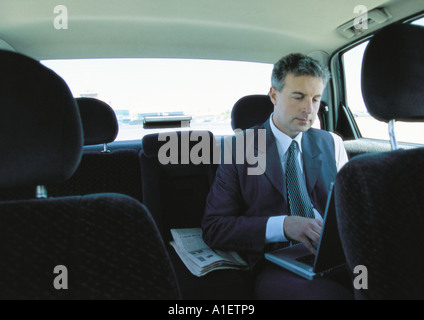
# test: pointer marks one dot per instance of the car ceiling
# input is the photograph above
(249, 30)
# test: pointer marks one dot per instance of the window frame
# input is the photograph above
(341, 111)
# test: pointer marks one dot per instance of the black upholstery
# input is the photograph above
(115, 170)
(176, 193)
(250, 111)
(99, 121)
(392, 80)
(380, 210)
(253, 110)
(176, 196)
(109, 243)
(379, 198)
(27, 92)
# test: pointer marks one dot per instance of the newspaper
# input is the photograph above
(201, 259)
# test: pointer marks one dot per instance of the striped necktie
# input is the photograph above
(299, 202)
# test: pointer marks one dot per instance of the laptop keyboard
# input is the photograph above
(308, 260)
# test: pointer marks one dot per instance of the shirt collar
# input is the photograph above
(283, 140)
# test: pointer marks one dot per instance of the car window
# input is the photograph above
(368, 126)
(206, 90)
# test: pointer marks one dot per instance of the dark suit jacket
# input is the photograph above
(239, 205)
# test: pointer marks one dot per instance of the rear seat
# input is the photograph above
(176, 195)
(253, 110)
(250, 111)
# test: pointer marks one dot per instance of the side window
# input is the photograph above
(369, 127)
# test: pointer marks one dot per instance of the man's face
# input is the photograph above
(297, 105)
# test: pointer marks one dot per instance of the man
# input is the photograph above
(252, 214)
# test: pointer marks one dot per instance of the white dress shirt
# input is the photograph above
(275, 225)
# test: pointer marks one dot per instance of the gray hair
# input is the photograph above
(299, 65)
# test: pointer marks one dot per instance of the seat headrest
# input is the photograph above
(99, 121)
(393, 74)
(151, 144)
(250, 111)
(40, 126)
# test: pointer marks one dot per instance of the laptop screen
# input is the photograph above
(330, 252)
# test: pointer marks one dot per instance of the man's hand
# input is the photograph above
(304, 230)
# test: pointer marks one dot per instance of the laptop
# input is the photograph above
(329, 257)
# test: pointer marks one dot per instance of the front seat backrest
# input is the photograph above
(82, 247)
(379, 197)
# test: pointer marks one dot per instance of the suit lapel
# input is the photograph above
(273, 171)
(312, 160)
